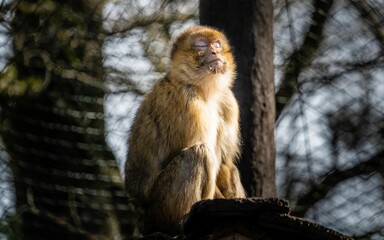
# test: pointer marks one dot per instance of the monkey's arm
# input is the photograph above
(229, 183)
(228, 178)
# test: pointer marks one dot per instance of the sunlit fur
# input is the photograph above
(185, 136)
(186, 67)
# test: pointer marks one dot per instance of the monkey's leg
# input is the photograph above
(184, 181)
(228, 181)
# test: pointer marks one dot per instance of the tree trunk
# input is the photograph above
(248, 25)
(66, 179)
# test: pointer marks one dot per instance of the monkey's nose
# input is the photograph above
(213, 50)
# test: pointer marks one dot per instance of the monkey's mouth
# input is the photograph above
(215, 60)
(216, 65)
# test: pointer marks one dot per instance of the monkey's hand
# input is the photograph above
(228, 181)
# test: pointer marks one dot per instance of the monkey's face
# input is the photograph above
(201, 50)
(209, 55)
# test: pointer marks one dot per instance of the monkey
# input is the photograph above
(184, 141)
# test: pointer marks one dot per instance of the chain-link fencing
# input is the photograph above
(73, 74)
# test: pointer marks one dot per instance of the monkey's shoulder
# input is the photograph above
(166, 93)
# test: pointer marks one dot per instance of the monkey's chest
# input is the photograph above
(210, 121)
(210, 126)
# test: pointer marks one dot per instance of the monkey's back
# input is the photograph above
(167, 121)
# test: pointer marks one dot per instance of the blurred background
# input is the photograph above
(73, 73)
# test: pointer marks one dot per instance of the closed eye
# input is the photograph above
(217, 44)
(201, 44)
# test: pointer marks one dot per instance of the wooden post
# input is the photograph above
(248, 25)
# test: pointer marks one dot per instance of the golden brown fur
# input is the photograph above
(185, 137)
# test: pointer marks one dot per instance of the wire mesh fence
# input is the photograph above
(330, 133)
(72, 75)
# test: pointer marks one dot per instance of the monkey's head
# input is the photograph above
(202, 53)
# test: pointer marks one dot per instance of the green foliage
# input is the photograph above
(10, 227)
(11, 85)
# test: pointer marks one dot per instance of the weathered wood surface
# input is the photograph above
(250, 218)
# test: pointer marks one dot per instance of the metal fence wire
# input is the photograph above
(73, 73)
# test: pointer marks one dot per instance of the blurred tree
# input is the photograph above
(248, 25)
(329, 130)
(329, 112)
(66, 180)
(303, 55)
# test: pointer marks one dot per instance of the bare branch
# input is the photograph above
(320, 190)
(143, 21)
(302, 57)
(369, 17)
